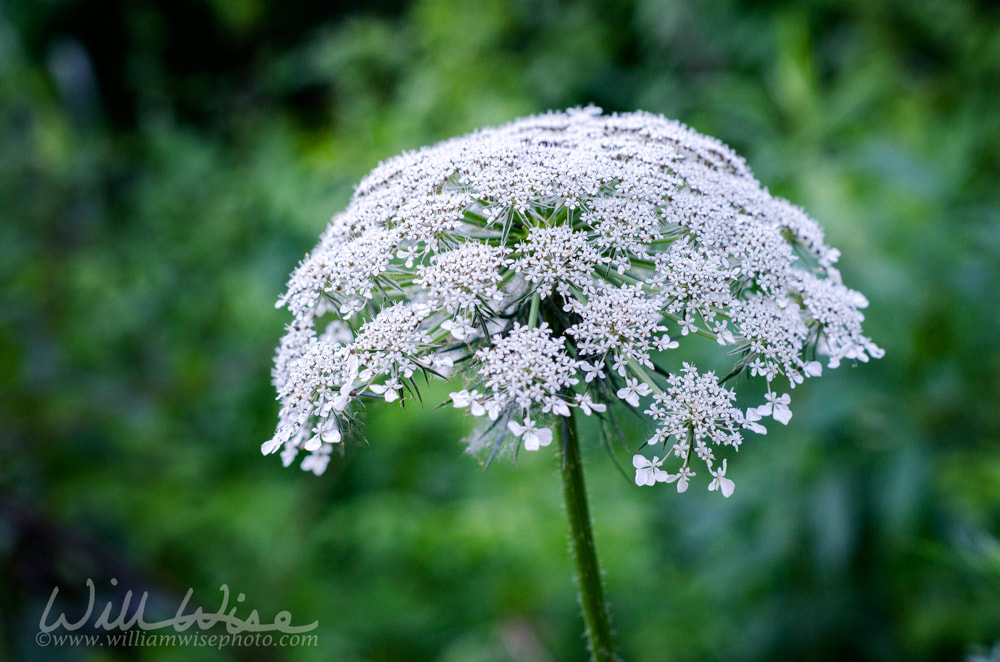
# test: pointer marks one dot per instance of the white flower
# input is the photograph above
(688, 326)
(681, 447)
(633, 390)
(592, 371)
(532, 256)
(624, 226)
(442, 365)
(777, 406)
(704, 452)
(463, 398)
(351, 306)
(586, 405)
(556, 406)
(775, 334)
(534, 437)
(527, 366)
(813, 369)
(622, 321)
(648, 472)
(271, 446)
(697, 405)
(326, 432)
(462, 279)
(723, 335)
(461, 329)
(493, 409)
(318, 460)
(288, 454)
(682, 477)
(720, 482)
(343, 398)
(696, 280)
(750, 421)
(663, 343)
(390, 389)
(556, 256)
(408, 254)
(470, 399)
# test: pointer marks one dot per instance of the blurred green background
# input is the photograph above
(163, 167)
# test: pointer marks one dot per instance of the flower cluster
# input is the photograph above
(560, 259)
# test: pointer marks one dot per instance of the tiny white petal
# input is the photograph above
(544, 436)
(271, 446)
(460, 399)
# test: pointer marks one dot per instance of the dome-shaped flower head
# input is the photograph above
(560, 260)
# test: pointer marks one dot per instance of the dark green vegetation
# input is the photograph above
(163, 165)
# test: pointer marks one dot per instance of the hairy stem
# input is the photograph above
(595, 609)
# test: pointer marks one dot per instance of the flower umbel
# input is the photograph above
(561, 259)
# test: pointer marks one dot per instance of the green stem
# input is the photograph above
(533, 312)
(595, 609)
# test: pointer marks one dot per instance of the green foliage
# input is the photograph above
(162, 171)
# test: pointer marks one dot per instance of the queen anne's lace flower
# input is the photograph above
(698, 413)
(618, 321)
(463, 278)
(526, 368)
(559, 257)
(564, 257)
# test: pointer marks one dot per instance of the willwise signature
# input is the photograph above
(115, 617)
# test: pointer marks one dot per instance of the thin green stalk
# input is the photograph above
(595, 609)
(533, 312)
